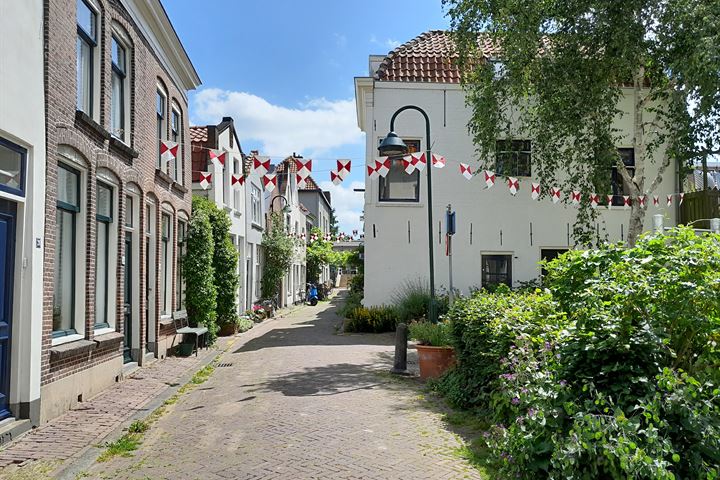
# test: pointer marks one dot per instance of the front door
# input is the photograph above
(7, 263)
(127, 326)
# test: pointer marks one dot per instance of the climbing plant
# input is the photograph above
(278, 251)
(199, 273)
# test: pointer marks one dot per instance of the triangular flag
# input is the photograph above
(669, 200)
(594, 200)
(656, 200)
(626, 201)
(260, 167)
(218, 156)
(610, 200)
(465, 171)
(408, 164)
(641, 200)
(438, 161)
(419, 160)
(535, 191)
(168, 150)
(513, 185)
(343, 168)
(382, 166)
(372, 173)
(304, 167)
(269, 181)
(682, 197)
(335, 177)
(555, 194)
(205, 180)
(576, 196)
(237, 180)
(301, 181)
(489, 178)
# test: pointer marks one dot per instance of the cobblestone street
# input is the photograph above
(293, 399)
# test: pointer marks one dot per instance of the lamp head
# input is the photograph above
(392, 145)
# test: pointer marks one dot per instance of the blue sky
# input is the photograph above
(284, 69)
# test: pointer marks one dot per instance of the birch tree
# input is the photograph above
(558, 70)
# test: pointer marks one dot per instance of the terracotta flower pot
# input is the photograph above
(434, 361)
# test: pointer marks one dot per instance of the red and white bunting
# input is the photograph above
(669, 200)
(269, 181)
(626, 201)
(382, 166)
(301, 181)
(489, 178)
(237, 181)
(260, 167)
(408, 164)
(335, 177)
(217, 156)
(555, 194)
(304, 167)
(642, 200)
(313, 237)
(438, 161)
(534, 191)
(343, 168)
(205, 180)
(372, 173)
(656, 201)
(355, 232)
(594, 200)
(465, 171)
(168, 150)
(575, 197)
(681, 196)
(609, 200)
(420, 160)
(513, 185)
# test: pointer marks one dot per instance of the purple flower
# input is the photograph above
(557, 356)
(515, 401)
(524, 390)
(548, 346)
(563, 383)
(531, 412)
(486, 434)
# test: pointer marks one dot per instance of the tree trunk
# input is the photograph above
(637, 182)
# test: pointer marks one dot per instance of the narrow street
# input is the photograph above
(292, 399)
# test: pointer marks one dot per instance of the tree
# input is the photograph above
(224, 260)
(319, 253)
(561, 76)
(278, 251)
(199, 274)
(334, 228)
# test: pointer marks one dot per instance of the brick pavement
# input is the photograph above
(70, 434)
(298, 402)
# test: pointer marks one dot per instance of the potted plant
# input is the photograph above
(435, 355)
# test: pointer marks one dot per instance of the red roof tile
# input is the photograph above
(430, 57)
(310, 184)
(199, 134)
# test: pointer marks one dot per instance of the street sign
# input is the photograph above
(450, 222)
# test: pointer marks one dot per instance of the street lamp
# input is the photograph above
(393, 146)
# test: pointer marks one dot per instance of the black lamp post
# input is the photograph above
(393, 146)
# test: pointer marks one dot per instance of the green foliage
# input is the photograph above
(353, 300)
(319, 254)
(430, 334)
(371, 320)
(354, 259)
(412, 300)
(334, 229)
(278, 251)
(244, 324)
(357, 283)
(199, 273)
(610, 373)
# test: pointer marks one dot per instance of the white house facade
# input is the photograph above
(500, 238)
(254, 228)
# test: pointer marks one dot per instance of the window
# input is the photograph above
(118, 89)
(496, 269)
(180, 278)
(68, 207)
(12, 167)
(165, 256)
(618, 185)
(398, 186)
(512, 158)
(104, 219)
(86, 43)
(176, 136)
(129, 211)
(550, 254)
(255, 204)
(160, 110)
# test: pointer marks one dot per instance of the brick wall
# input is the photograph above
(91, 141)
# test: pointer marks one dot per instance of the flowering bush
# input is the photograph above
(619, 382)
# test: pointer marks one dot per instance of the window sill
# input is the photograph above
(166, 320)
(88, 121)
(66, 339)
(257, 226)
(123, 148)
(76, 346)
(164, 177)
(399, 203)
(237, 213)
(109, 338)
(179, 314)
(102, 331)
(179, 188)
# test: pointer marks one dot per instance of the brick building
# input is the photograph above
(116, 77)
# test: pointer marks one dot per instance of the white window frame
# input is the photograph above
(166, 264)
(92, 110)
(177, 136)
(112, 260)
(256, 204)
(161, 123)
(121, 39)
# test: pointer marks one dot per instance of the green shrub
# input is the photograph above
(412, 300)
(352, 301)
(371, 320)
(357, 284)
(244, 323)
(201, 302)
(430, 334)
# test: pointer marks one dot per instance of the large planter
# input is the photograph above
(434, 361)
(227, 329)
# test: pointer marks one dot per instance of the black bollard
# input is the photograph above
(401, 338)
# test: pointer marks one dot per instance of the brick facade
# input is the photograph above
(133, 167)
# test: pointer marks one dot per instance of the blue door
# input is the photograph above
(7, 262)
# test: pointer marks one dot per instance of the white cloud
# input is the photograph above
(347, 203)
(317, 126)
(340, 40)
(387, 43)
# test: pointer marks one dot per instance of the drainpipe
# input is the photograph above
(658, 223)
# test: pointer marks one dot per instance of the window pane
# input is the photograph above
(101, 274)
(118, 55)
(11, 162)
(84, 75)
(67, 186)
(104, 200)
(86, 18)
(63, 301)
(496, 269)
(160, 106)
(398, 185)
(116, 106)
(129, 212)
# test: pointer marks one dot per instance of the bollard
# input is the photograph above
(401, 338)
(658, 223)
(715, 225)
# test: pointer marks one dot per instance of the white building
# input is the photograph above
(22, 213)
(500, 238)
(254, 229)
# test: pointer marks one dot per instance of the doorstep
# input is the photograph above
(11, 429)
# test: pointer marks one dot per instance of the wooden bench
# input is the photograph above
(183, 327)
